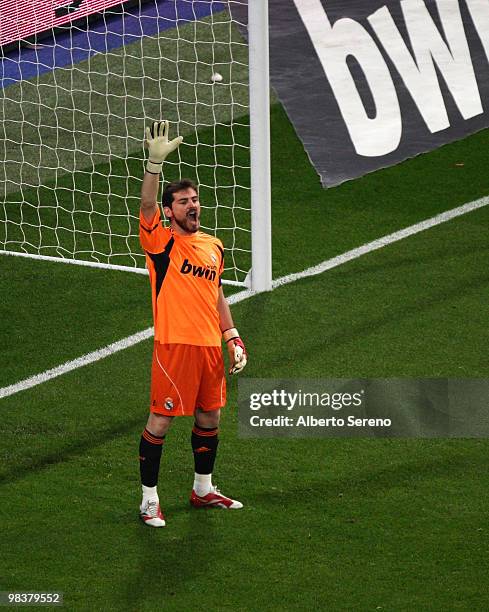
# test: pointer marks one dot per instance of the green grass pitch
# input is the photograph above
(327, 524)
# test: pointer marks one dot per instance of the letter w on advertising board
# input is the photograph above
(369, 83)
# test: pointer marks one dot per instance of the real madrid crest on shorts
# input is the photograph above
(169, 403)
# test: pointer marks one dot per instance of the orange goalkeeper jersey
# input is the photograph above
(185, 275)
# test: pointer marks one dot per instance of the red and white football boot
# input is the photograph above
(214, 499)
(151, 514)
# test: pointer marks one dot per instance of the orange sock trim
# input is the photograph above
(152, 439)
(204, 432)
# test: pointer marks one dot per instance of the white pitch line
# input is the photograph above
(94, 356)
(382, 242)
(243, 295)
(37, 379)
(94, 264)
(75, 262)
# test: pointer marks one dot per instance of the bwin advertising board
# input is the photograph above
(369, 83)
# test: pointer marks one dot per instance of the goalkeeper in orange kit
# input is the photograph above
(191, 315)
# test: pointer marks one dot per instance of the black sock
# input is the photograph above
(204, 444)
(150, 448)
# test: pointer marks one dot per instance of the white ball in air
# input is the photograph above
(216, 77)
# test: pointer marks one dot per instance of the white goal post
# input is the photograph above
(75, 96)
(261, 197)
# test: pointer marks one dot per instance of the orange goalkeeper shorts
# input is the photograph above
(185, 377)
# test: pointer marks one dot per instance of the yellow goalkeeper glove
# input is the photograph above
(158, 145)
(236, 350)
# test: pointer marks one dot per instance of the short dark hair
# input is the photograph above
(171, 188)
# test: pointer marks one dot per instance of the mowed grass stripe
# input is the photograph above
(242, 295)
(398, 524)
(311, 224)
(75, 117)
(344, 513)
(414, 309)
(328, 222)
(359, 517)
(382, 242)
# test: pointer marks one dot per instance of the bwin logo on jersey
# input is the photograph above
(198, 271)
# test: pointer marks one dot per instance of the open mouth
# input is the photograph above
(192, 215)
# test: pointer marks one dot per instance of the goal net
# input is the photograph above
(73, 108)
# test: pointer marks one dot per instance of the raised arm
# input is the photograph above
(158, 147)
(149, 195)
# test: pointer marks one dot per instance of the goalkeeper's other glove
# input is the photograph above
(158, 145)
(236, 350)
